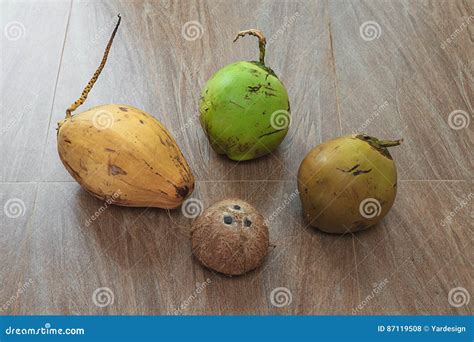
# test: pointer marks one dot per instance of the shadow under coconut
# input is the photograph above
(132, 236)
(236, 169)
(277, 153)
(242, 294)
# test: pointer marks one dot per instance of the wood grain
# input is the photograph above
(404, 83)
(420, 82)
(18, 202)
(421, 253)
(31, 48)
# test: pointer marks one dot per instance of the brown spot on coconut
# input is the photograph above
(230, 237)
(115, 170)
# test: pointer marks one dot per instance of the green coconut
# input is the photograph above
(244, 108)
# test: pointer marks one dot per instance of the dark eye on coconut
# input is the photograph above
(227, 219)
(237, 207)
(247, 222)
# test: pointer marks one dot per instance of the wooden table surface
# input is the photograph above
(403, 81)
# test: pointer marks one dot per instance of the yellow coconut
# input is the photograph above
(122, 154)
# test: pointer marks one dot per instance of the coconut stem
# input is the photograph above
(94, 78)
(262, 42)
(389, 143)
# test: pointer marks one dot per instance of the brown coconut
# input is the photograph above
(230, 237)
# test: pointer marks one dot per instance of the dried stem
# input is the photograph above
(94, 78)
(389, 143)
(262, 42)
